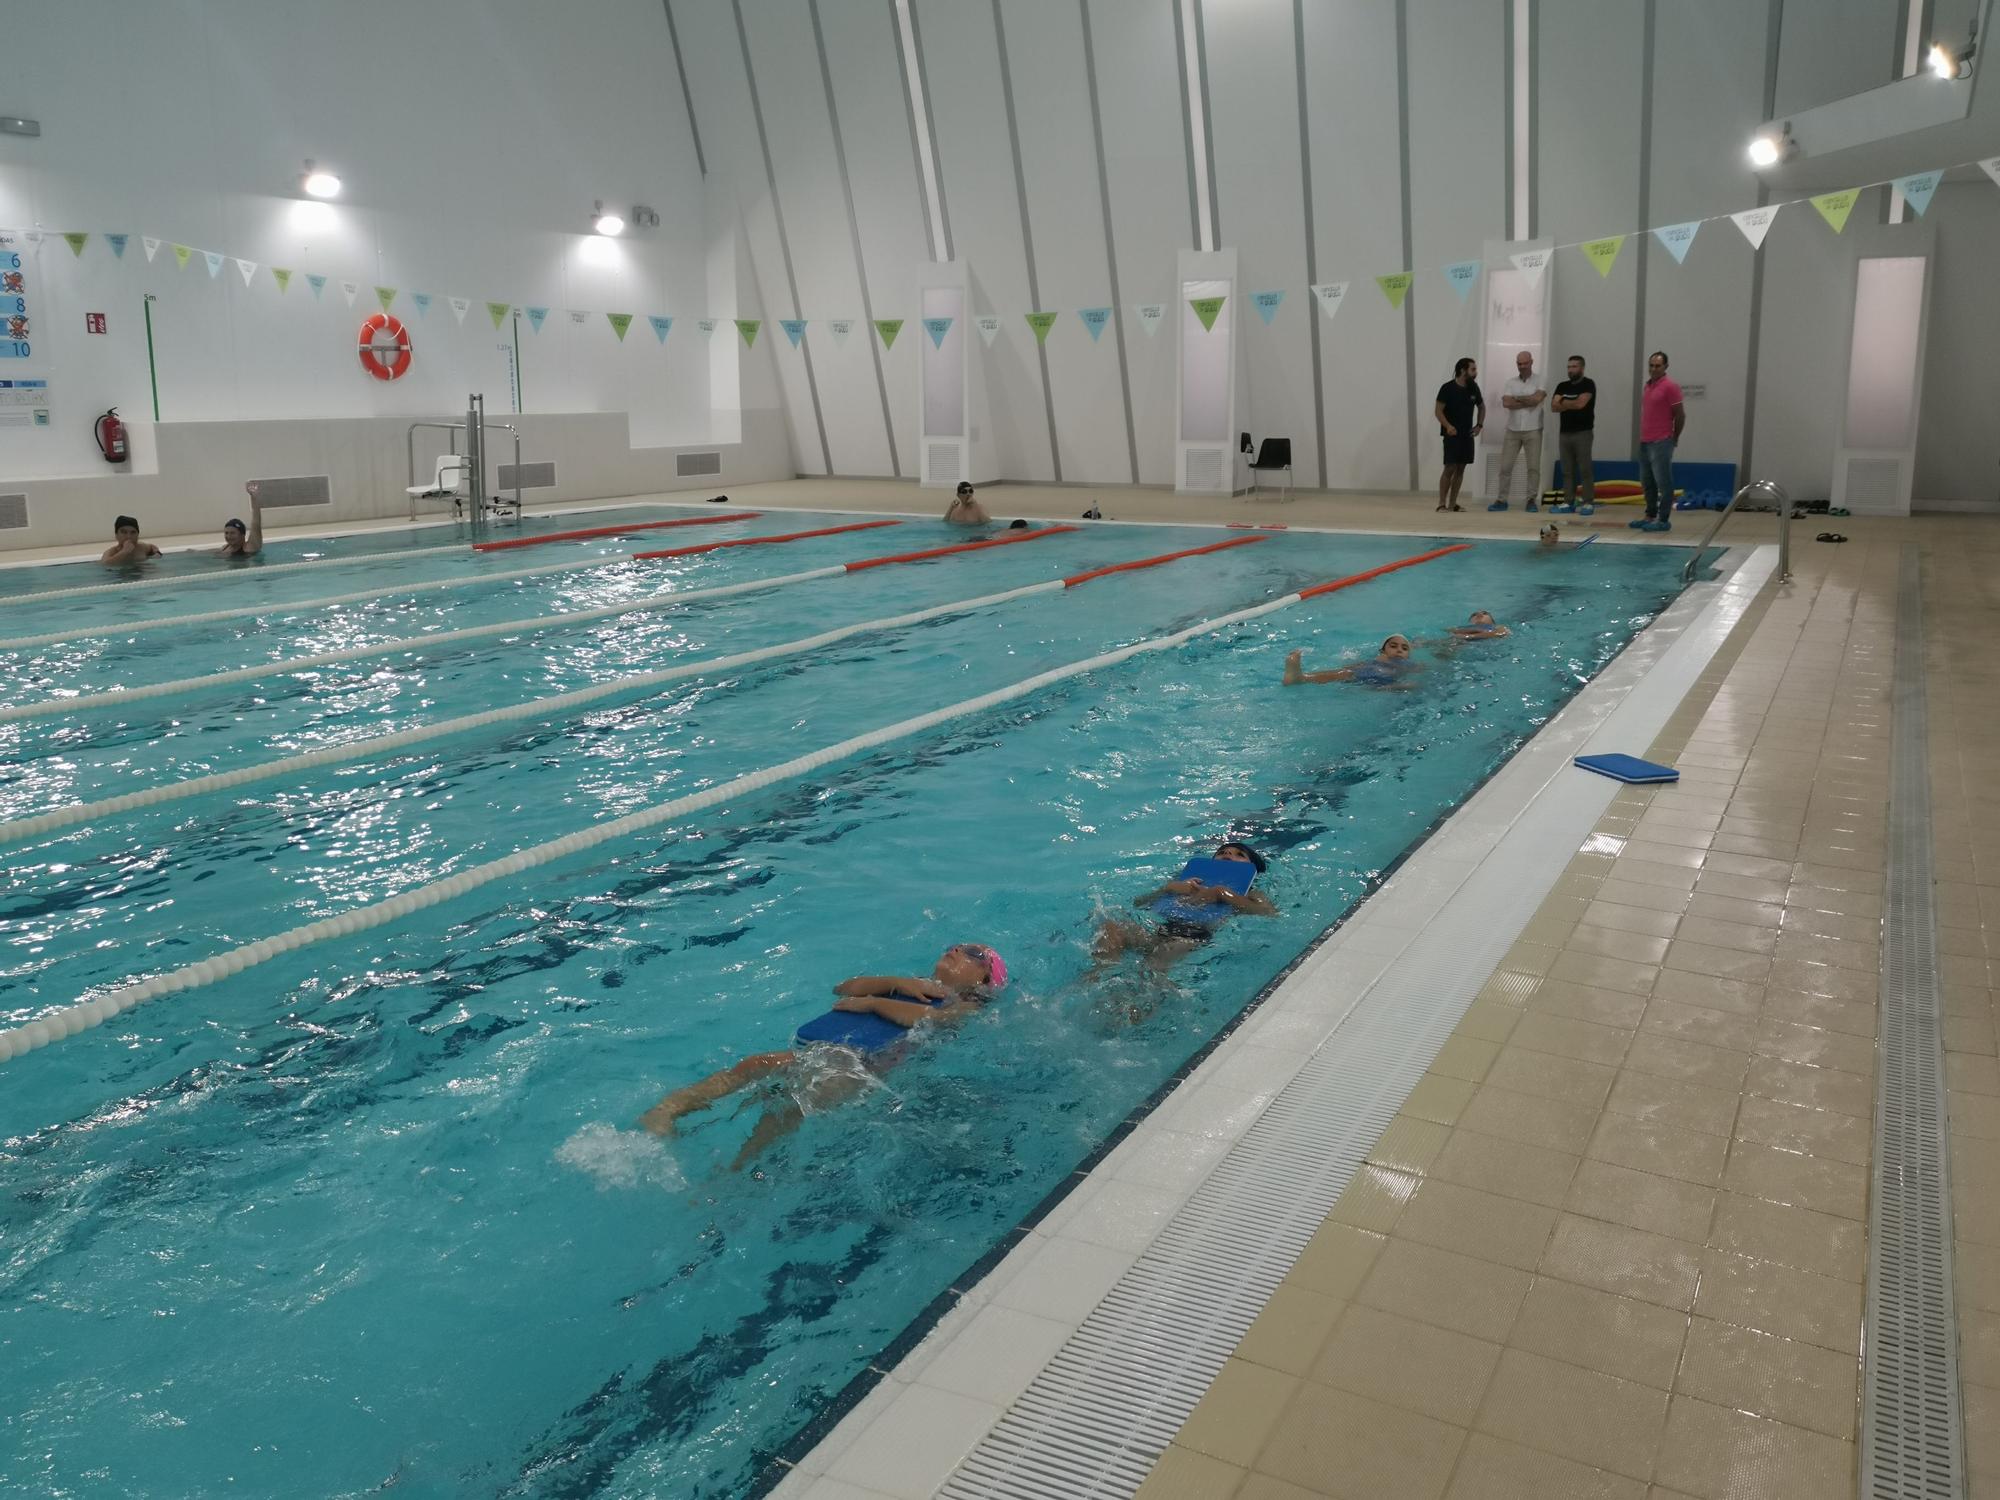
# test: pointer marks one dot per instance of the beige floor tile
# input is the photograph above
(1630, 870)
(1667, 1101)
(1625, 1262)
(1764, 848)
(1756, 867)
(1444, 1289)
(1580, 1002)
(1972, 1035)
(1974, 1116)
(1812, 1088)
(1723, 963)
(1646, 920)
(1788, 1381)
(1853, 1018)
(1238, 1413)
(1665, 1150)
(1820, 1183)
(1622, 892)
(1484, 1225)
(1563, 1037)
(1687, 1062)
(1264, 1487)
(1838, 878)
(1612, 942)
(1619, 1336)
(1488, 1022)
(1582, 1415)
(1742, 887)
(1409, 1145)
(1641, 1200)
(1548, 1123)
(1333, 1442)
(1733, 1031)
(1740, 937)
(1842, 953)
(1374, 1199)
(1982, 1428)
(1972, 1073)
(1831, 980)
(1603, 973)
(1782, 1300)
(1814, 923)
(1529, 958)
(1401, 1362)
(1507, 1168)
(1721, 1454)
(1336, 1260)
(1183, 1474)
(1760, 914)
(1464, 1057)
(1712, 992)
(1438, 1099)
(1821, 1243)
(1846, 903)
(1667, 846)
(1978, 1347)
(1505, 988)
(1290, 1331)
(1815, 1047)
(1490, 1469)
(1547, 1076)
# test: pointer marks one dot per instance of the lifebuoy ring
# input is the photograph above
(385, 347)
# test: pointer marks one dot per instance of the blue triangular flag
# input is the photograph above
(1677, 238)
(117, 243)
(318, 283)
(1094, 318)
(214, 260)
(1917, 189)
(1266, 304)
(937, 328)
(1462, 275)
(535, 316)
(660, 326)
(795, 329)
(423, 301)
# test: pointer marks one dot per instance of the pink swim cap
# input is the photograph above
(996, 966)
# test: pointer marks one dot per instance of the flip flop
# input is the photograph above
(1829, 536)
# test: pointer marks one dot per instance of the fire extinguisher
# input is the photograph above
(111, 437)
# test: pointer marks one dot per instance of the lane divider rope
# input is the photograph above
(544, 538)
(993, 541)
(763, 541)
(82, 1015)
(1166, 557)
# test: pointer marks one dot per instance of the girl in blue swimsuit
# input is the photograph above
(1391, 666)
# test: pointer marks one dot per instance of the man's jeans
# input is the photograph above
(1578, 476)
(1529, 445)
(1656, 474)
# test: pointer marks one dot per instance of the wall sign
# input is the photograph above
(93, 322)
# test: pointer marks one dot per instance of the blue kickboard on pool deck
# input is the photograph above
(1627, 768)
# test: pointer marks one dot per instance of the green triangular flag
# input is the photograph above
(385, 295)
(497, 311)
(619, 323)
(1603, 253)
(283, 277)
(1041, 322)
(1395, 287)
(748, 328)
(1835, 207)
(888, 328)
(1206, 308)
(181, 254)
(77, 240)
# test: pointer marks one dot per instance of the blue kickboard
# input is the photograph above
(1627, 768)
(857, 1029)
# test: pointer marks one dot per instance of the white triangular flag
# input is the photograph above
(460, 306)
(1756, 223)
(1991, 167)
(578, 316)
(989, 327)
(707, 325)
(1151, 316)
(1531, 264)
(1329, 295)
(840, 328)
(248, 268)
(152, 246)
(350, 290)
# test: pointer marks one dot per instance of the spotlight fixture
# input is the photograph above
(1951, 63)
(605, 222)
(318, 182)
(1769, 147)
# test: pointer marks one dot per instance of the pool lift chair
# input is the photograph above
(461, 477)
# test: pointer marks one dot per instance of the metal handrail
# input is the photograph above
(410, 454)
(1769, 489)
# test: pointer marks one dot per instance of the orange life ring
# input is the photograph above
(396, 348)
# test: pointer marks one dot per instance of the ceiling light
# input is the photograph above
(1769, 147)
(1951, 63)
(605, 222)
(319, 182)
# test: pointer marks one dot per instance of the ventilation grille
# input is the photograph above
(527, 477)
(693, 465)
(1910, 1441)
(941, 463)
(305, 489)
(1205, 468)
(13, 512)
(1873, 483)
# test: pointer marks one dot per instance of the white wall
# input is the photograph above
(1956, 458)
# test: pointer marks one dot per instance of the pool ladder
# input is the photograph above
(1767, 489)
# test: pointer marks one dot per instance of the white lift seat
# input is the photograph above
(452, 483)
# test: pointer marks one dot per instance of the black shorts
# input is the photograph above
(1459, 450)
(1186, 931)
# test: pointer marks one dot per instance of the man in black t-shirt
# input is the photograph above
(1576, 399)
(1460, 412)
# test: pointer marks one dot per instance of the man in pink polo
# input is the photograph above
(1661, 418)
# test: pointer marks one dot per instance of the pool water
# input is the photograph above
(375, 1214)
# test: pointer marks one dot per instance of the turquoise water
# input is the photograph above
(374, 1213)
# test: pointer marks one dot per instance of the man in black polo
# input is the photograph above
(1576, 399)
(1460, 412)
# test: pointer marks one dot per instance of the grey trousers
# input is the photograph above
(1574, 448)
(1526, 444)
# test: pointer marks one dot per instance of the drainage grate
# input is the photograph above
(1911, 1447)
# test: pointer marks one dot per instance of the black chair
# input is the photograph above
(1273, 453)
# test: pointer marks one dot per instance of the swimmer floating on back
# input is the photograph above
(886, 1007)
(1188, 910)
(1481, 627)
(1392, 665)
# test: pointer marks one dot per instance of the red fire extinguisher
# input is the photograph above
(111, 437)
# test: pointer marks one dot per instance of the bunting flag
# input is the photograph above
(1835, 207)
(1094, 319)
(1916, 190)
(283, 276)
(937, 328)
(706, 325)
(152, 247)
(1603, 253)
(422, 300)
(214, 260)
(989, 327)
(1207, 309)
(1329, 295)
(660, 326)
(1041, 322)
(748, 328)
(316, 282)
(248, 268)
(1395, 287)
(1678, 238)
(350, 290)
(795, 329)
(1991, 167)
(1266, 304)
(1463, 276)
(535, 317)
(840, 328)
(619, 323)
(385, 295)
(1150, 315)
(497, 311)
(117, 242)
(886, 329)
(578, 316)
(181, 255)
(1755, 223)
(77, 240)
(1531, 264)
(460, 306)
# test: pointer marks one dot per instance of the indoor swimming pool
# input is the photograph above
(373, 1212)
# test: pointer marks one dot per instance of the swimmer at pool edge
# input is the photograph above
(127, 548)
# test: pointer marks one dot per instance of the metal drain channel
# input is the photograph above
(1912, 1447)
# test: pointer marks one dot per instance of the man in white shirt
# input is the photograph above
(1523, 397)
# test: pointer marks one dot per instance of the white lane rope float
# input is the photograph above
(82, 1015)
(176, 580)
(371, 746)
